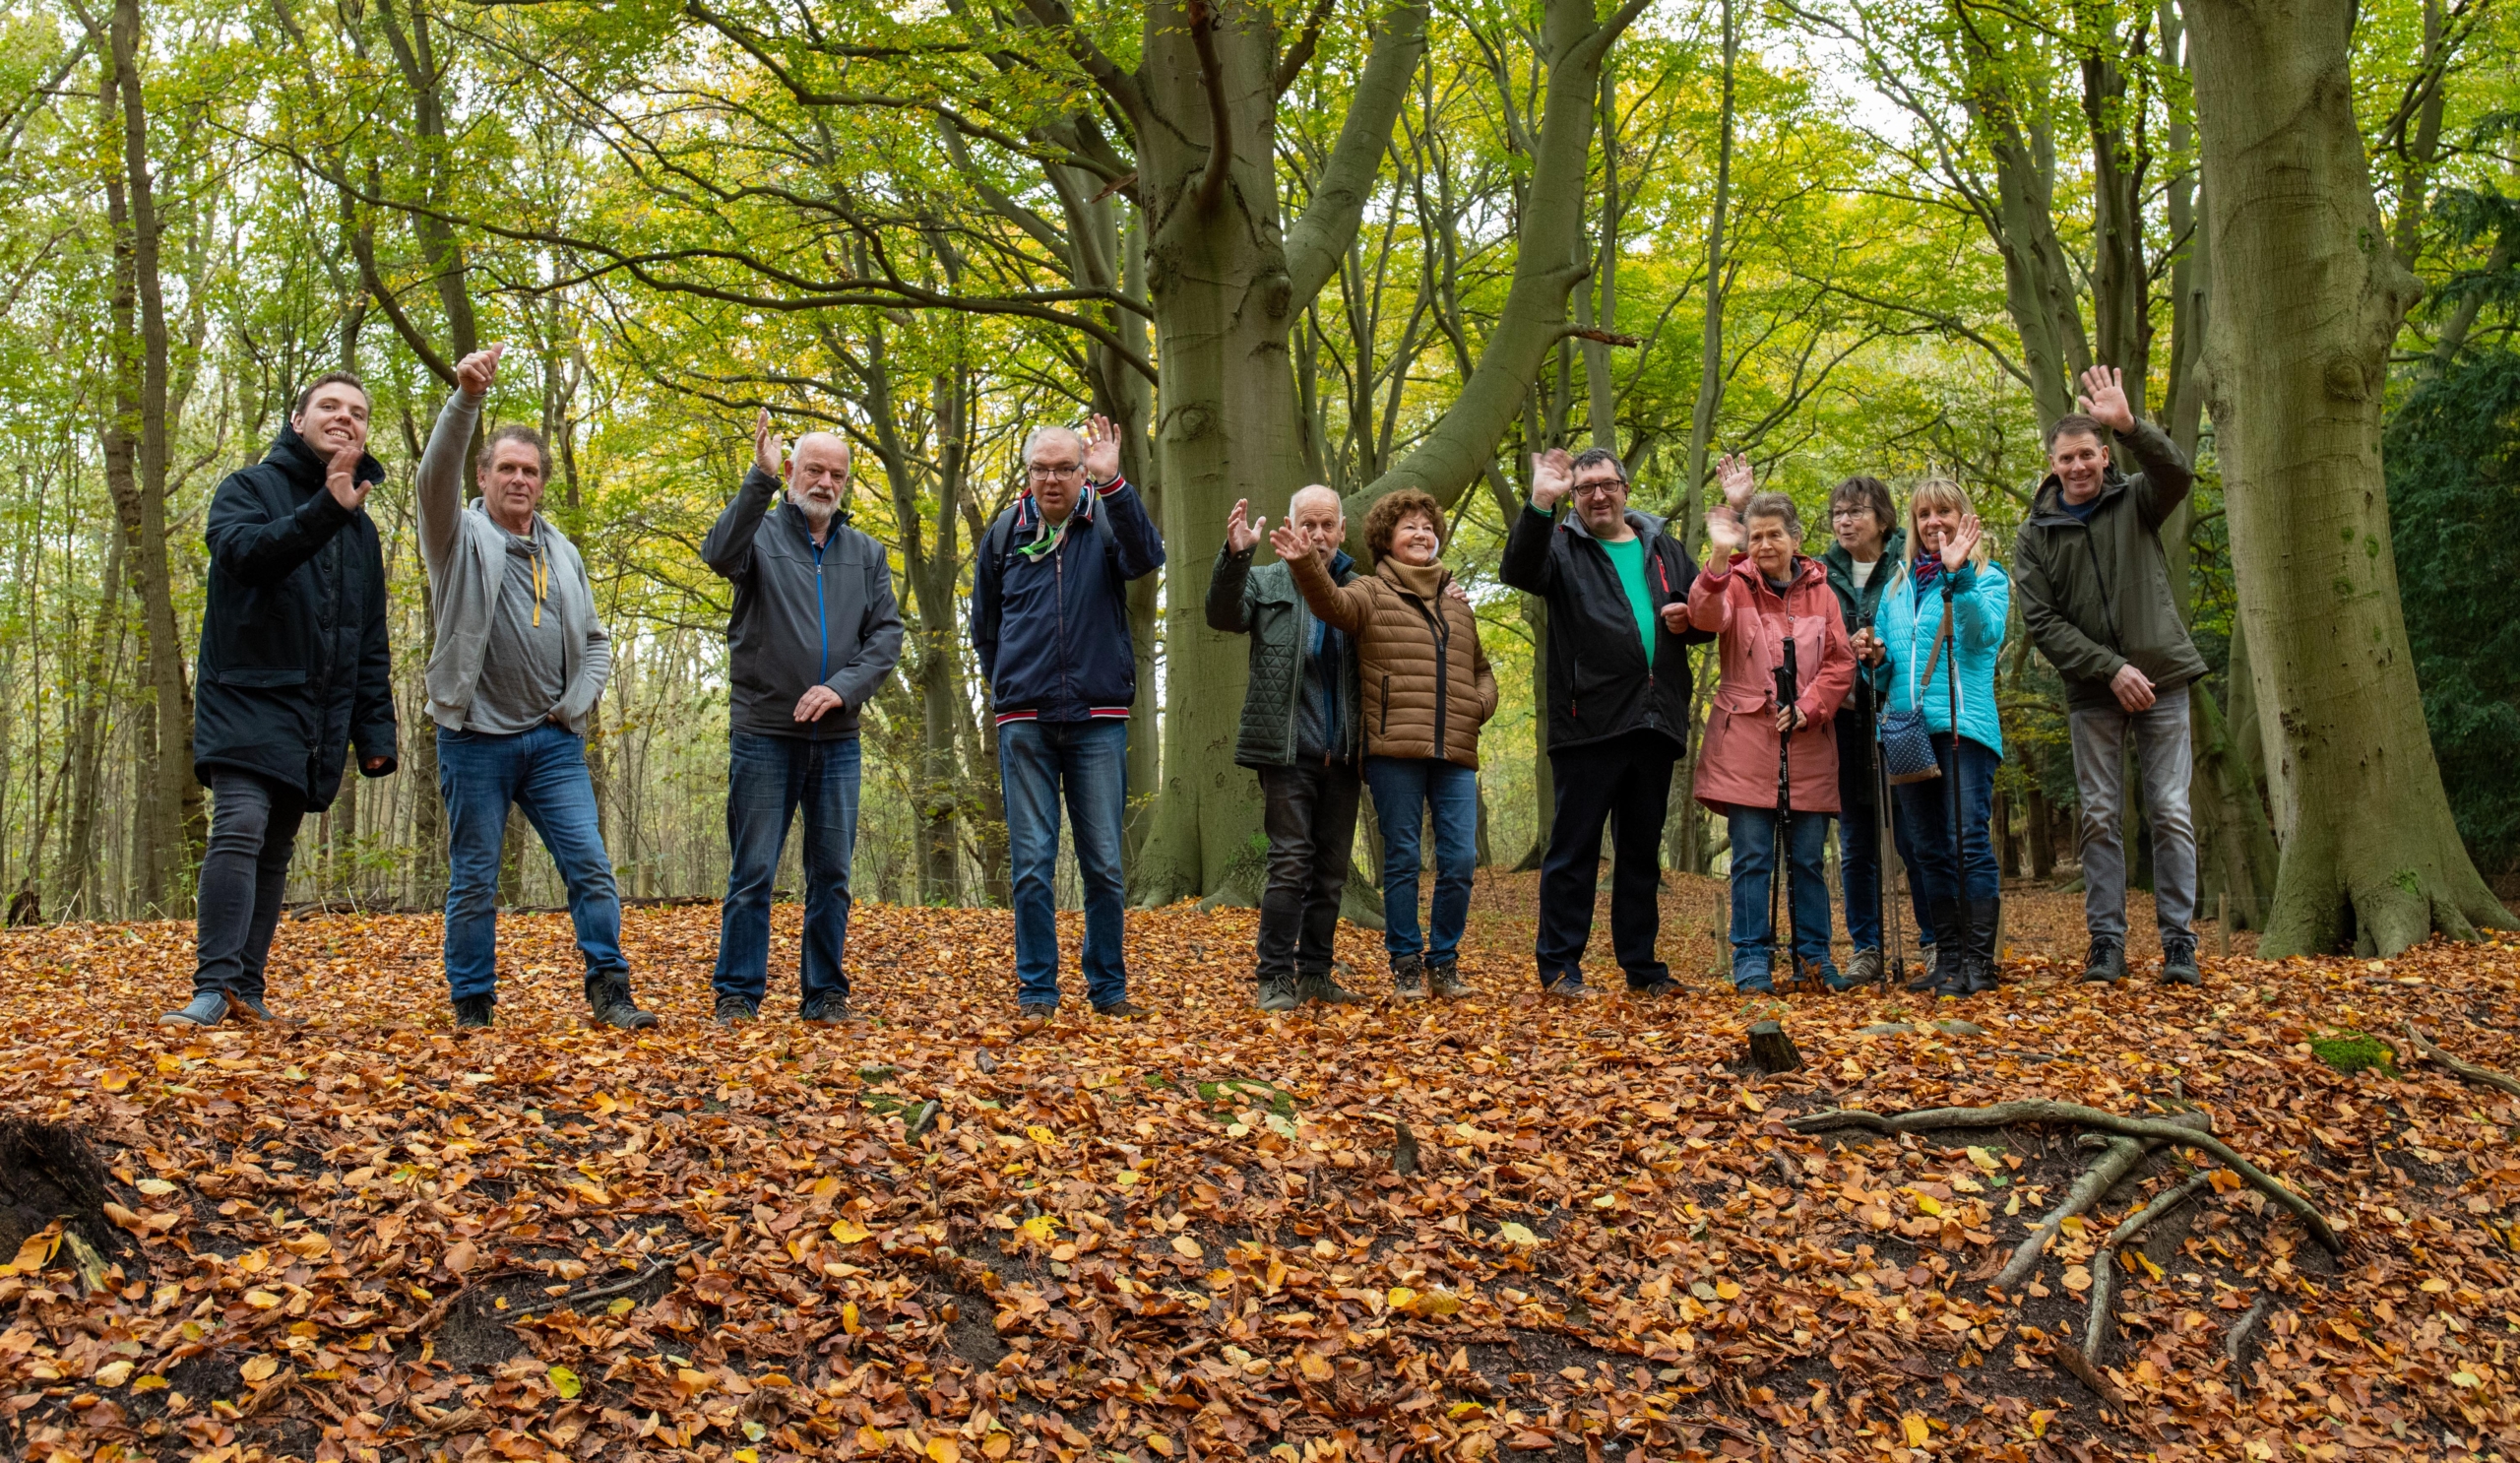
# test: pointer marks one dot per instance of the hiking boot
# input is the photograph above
(1322, 988)
(1032, 1016)
(1985, 915)
(206, 1009)
(1444, 978)
(829, 1009)
(2106, 961)
(1277, 993)
(1927, 969)
(735, 1010)
(2178, 961)
(1865, 969)
(1652, 985)
(1570, 987)
(472, 1012)
(1407, 977)
(1123, 1009)
(608, 999)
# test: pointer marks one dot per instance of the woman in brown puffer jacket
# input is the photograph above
(1427, 690)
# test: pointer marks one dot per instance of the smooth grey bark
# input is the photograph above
(2298, 355)
(1710, 371)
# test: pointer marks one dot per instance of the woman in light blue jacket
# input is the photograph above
(1963, 887)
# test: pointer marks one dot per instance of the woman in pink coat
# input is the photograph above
(1757, 602)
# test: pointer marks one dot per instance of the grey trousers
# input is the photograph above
(2167, 763)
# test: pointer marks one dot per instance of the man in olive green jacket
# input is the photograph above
(2094, 589)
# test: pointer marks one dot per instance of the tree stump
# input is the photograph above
(1770, 1049)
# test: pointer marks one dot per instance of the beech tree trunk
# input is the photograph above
(2310, 296)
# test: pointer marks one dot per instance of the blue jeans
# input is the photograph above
(1925, 814)
(768, 779)
(1404, 788)
(1090, 760)
(1753, 833)
(542, 773)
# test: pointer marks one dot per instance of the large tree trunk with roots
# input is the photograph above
(2310, 297)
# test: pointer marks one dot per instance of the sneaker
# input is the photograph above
(1322, 988)
(1865, 969)
(206, 1009)
(2106, 961)
(1123, 1009)
(1652, 985)
(1929, 974)
(1445, 979)
(247, 1007)
(2178, 961)
(1756, 983)
(1570, 987)
(1407, 977)
(735, 1010)
(472, 1011)
(1832, 979)
(828, 1009)
(1278, 994)
(610, 1002)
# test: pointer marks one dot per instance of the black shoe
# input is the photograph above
(1983, 915)
(828, 1009)
(1929, 969)
(2107, 960)
(1652, 985)
(1444, 978)
(206, 1009)
(1123, 1009)
(608, 999)
(1407, 977)
(1570, 987)
(1277, 994)
(1322, 988)
(2178, 961)
(735, 1010)
(474, 1012)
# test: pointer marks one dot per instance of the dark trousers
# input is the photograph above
(1924, 810)
(253, 830)
(1310, 815)
(1625, 782)
(770, 780)
(1858, 823)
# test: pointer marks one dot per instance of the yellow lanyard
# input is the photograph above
(541, 571)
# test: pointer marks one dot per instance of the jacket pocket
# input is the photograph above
(1575, 687)
(262, 675)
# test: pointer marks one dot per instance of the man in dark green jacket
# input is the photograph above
(2094, 589)
(1300, 732)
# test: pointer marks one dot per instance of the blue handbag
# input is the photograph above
(1907, 741)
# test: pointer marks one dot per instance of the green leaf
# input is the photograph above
(565, 1382)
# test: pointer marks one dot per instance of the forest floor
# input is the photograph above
(1486, 1229)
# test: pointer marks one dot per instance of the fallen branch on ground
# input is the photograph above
(2042, 1109)
(2242, 1330)
(2104, 1265)
(631, 1283)
(2466, 1071)
(2102, 1177)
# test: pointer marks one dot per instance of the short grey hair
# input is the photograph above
(1775, 505)
(1034, 437)
(1319, 488)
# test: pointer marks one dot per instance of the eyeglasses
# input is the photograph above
(1599, 487)
(1841, 515)
(1052, 469)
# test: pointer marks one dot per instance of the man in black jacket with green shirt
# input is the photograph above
(1302, 733)
(2094, 589)
(1618, 588)
(294, 671)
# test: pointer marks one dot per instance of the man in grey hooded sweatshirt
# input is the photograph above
(518, 662)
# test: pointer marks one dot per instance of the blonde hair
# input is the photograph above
(1939, 492)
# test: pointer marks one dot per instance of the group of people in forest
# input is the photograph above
(1855, 682)
(1363, 678)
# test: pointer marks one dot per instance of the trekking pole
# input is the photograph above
(1788, 691)
(1883, 846)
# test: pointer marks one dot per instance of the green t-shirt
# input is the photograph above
(1630, 560)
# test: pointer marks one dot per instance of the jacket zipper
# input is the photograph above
(822, 629)
(2116, 636)
(1386, 705)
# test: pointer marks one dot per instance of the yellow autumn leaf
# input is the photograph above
(1042, 1136)
(693, 1383)
(2146, 1261)
(261, 1299)
(2435, 1286)
(1313, 1368)
(1928, 1204)
(565, 1382)
(847, 1232)
(622, 1306)
(2073, 1225)
(259, 1369)
(849, 1321)
(1985, 1161)
(1916, 1431)
(944, 1448)
(2077, 1279)
(2463, 1377)
(1040, 1229)
(113, 1373)
(1400, 1298)
(1187, 1247)
(2040, 1420)
(152, 1382)
(156, 1189)
(113, 1079)
(1514, 1233)
(1160, 1443)
(997, 1445)
(1726, 1290)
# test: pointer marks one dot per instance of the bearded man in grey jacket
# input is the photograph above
(515, 673)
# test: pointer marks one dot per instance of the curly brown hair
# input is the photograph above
(1388, 513)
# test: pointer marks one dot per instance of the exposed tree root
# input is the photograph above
(2466, 1071)
(2042, 1109)
(2242, 1330)
(2119, 1159)
(2086, 1373)
(2098, 1330)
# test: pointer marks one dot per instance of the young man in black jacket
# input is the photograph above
(1050, 620)
(294, 671)
(813, 633)
(1618, 588)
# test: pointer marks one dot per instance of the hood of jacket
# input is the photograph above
(296, 457)
(1645, 524)
(1841, 564)
(2048, 505)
